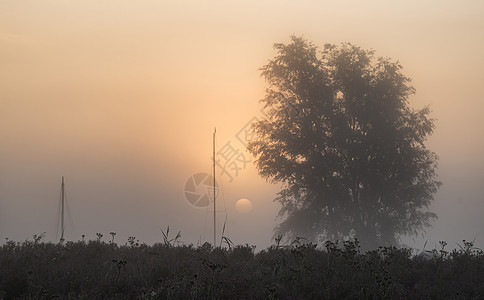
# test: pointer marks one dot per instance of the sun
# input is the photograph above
(243, 205)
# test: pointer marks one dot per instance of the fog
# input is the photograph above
(122, 99)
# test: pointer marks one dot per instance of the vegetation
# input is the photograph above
(350, 151)
(100, 270)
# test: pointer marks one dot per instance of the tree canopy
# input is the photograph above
(342, 139)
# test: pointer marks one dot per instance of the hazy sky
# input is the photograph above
(121, 98)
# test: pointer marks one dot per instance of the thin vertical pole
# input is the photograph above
(214, 207)
(62, 211)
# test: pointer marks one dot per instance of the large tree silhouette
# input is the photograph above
(344, 142)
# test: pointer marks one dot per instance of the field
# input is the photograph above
(97, 269)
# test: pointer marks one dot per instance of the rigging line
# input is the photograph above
(226, 212)
(220, 189)
(223, 231)
(69, 216)
(214, 195)
(205, 226)
(63, 211)
(206, 211)
(210, 198)
(57, 223)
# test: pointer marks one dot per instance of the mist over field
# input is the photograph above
(122, 100)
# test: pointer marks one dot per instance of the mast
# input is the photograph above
(62, 210)
(214, 207)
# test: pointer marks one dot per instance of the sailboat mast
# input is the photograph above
(214, 207)
(62, 209)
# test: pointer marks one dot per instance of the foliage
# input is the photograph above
(341, 137)
(299, 270)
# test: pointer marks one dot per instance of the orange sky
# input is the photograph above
(121, 97)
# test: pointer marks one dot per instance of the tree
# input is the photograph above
(344, 142)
